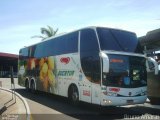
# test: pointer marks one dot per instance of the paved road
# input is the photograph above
(49, 107)
(54, 107)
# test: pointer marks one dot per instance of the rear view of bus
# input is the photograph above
(124, 76)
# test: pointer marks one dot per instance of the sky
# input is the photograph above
(22, 19)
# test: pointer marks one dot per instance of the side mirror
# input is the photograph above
(152, 67)
(105, 61)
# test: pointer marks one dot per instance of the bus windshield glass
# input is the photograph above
(118, 40)
(126, 71)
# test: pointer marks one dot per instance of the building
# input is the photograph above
(7, 61)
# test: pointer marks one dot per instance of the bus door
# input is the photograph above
(90, 85)
(96, 94)
(85, 88)
(96, 81)
(89, 56)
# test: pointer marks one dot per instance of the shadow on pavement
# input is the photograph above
(84, 110)
(2, 109)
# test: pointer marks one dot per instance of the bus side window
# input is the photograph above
(23, 54)
(89, 55)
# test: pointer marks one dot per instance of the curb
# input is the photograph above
(23, 100)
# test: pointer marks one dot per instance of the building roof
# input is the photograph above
(9, 55)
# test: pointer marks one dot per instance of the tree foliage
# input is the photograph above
(46, 33)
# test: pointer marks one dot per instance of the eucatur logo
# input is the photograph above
(65, 60)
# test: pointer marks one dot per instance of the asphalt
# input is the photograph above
(12, 105)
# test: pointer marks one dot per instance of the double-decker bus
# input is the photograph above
(151, 44)
(98, 65)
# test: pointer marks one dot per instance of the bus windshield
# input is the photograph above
(126, 71)
(118, 40)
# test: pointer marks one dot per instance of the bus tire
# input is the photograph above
(32, 86)
(73, 94)
(154, 101)
(27, 84)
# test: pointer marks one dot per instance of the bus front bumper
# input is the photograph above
(121, 101)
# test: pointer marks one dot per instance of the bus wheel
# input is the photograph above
(32, 86)
(154, 101)
(73, 95)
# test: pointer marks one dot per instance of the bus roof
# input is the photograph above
(90, 27)
(151, 40)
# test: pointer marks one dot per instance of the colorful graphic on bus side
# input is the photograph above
(44, 70)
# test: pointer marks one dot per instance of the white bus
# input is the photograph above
(97, 65)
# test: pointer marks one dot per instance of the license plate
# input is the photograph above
(130, 101)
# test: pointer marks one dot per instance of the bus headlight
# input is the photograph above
(107, 101)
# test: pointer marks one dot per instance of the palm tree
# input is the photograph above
(47, 32)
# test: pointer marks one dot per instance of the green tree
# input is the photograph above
(46, 33)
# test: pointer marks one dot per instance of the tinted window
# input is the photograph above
(126, 71)
(24, 52)
(89, 41)
(31, 51)
(112, 39)
(72, 43)
(56, 46)
(62, 45)
(89, 54)
(39, 52)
